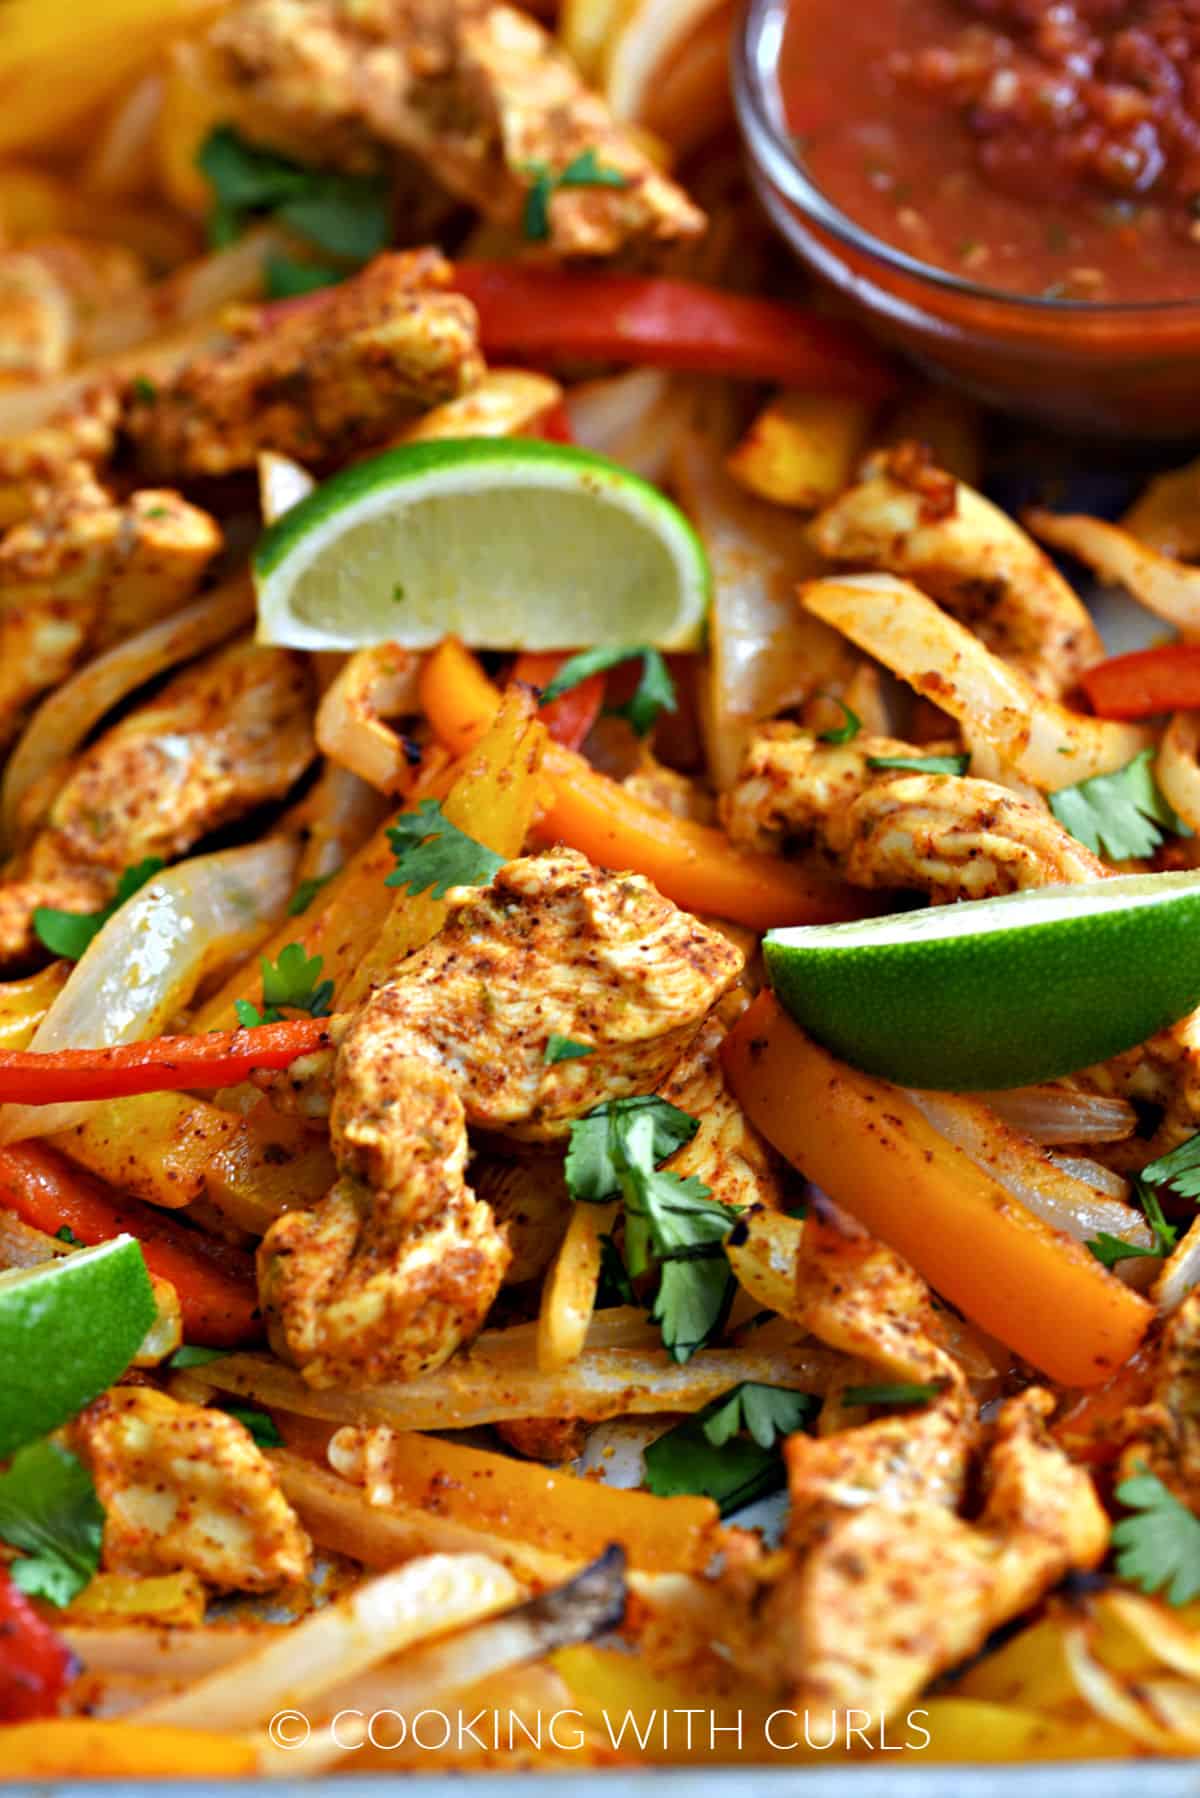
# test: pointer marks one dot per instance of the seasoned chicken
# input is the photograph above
(83, 435)
(187, 1488)
(478, 91)
(1165, 1433)
(84, 571)
(50, 289)
(529, 1200)
(727, 1153)
(221, 738)
(323, 382)
(945, 834)
(401, 1261)
(910, 518)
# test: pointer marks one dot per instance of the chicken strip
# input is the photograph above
(86, 570)
(322, 382)
(221, 738)
(908, 517)
(478, 91)
(944, 834)
(42, 458)
(727, 1153)
(1165, 1434)
(186, 1487)
(401, 1261)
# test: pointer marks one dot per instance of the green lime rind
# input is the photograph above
(511, 542)
(997, 992)
(68, 1329)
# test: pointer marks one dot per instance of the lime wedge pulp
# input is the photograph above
(509, 543)
(997, 992)
(68, 1329)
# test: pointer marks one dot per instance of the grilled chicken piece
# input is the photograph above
(552, 1439)
(945, 834)
(49, 289)
(910, 518)
(477, 91)
(221, 738)
(401, 1261)
(1166, 1432)
(727, 1152)
(323, 382)
(529, 1200)
(185, 1487)
(47, 456)
(86, 570)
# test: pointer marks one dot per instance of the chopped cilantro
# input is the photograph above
(615, 1286)
(433, 854)
(564, 1048)
(1160, 1546)
(261, 1427)
(68, 933)
(596, 1152)
(286, 277)
(49, 1508)
(67, 1235)
(1109, 1249)
(143, 390)
(292, 980)
(1119, 815)
(305, 893)
(706, 1454)
(847, 730)
(655, 690)
(191, 1355)
(1180, 1169)
(922, 764)
(346, 216)
(584, 170)
(893, 1392)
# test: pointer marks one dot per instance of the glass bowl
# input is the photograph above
(1081, 366)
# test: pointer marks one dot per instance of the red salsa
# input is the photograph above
(1045, 147)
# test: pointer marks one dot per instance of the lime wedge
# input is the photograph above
(509, 543)
(997, 992)
(68, 1329)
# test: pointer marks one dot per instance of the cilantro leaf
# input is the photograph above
(143, 390)
(1119, 815)
(433, 854)
(285, 277)
(192, 1355)
(305, 893)
(893, 1392)
(692, 1302)
(597, 1155)
(706, 1455)
(1179, 1169)
(922, 764)
(347, 216)
(655, 689)
(67, 1235)
(1160, 1546)
(49, 1508)
(1109, 1249)
(68, 933)
(847, 730)
(262, 1428)
(293, 980)
(564, 1048)
(584, 170)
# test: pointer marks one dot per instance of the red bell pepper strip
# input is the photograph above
(162, 1064)
(1166, 679)
(661, 323)
(35, 1663)
(218, 1295)
(570, 717)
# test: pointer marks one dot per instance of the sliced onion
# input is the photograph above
(637, 418)
(1072, 1205)
(1092, 1173)
(1165, 587)
(374, 683)
(506, 402)
(282, 484)
(148, 959)
(1177, 767)
(118, 163)
(1043, 741)
(341, 813)
(1180, 1272)
(1103, 1693)
(765, 653)
(651, 31)
(62, 721)
(199, 290)
(1058, 1114)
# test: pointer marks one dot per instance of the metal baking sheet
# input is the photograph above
(1036, 1779)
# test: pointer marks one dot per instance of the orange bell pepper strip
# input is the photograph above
(693, 864)
(571, 716)
(863, 1143)
(1166, 679)
(161, 1064)
(656, 322)
(218, 1294)
(117, 1748)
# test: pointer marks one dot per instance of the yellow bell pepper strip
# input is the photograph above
(693, 864)
(111, 1748)
(863, 1143)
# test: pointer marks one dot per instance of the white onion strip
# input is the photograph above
(146, 962)
(1063, 1114)
(62, 721)
(1168, 588)
(374, 683)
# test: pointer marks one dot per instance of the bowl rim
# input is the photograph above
(758, 104)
